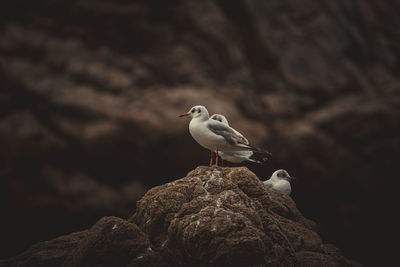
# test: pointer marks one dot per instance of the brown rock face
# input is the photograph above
(226, 216)
(111, 241)
(213, 217)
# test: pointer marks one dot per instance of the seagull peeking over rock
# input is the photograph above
(214, 135)
(280, 180)
(238, 156)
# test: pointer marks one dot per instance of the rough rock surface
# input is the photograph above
(213, 217)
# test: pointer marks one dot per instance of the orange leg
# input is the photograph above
(216, 158)
(211, 159)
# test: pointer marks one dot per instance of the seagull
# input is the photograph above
(280, 181)
(214, 135)
(238, 156)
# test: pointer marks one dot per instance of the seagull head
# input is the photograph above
(197, 112)
(281, 175)
(220, 118)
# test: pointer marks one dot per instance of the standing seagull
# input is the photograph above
(280, 181)
(213, 134)
(238, 156)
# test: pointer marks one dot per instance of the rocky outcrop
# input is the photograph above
(213, 217)
(112, 241)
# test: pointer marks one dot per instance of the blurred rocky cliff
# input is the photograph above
(213, 217)
(90, 93)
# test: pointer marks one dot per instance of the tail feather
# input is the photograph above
(254, 149)
(258, 157)
(245, 147)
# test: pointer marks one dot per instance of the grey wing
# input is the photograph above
(227, 133)
(241, 136)
(268, 183)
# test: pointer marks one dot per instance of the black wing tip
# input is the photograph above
(265, 153)
(259, 158)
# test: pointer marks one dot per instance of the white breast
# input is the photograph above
(283, 186)
(199, 131)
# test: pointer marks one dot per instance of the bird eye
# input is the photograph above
(199, 110)
(192, 110)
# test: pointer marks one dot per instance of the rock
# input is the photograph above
(213, 217)
(226, 216)
(49, 253)
(111, 241)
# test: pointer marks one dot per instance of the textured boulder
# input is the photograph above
(111, 241)
(213, 217)
(220, 216)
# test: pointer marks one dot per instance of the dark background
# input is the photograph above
(90, 92)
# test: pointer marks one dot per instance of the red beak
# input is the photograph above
(184, 115)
